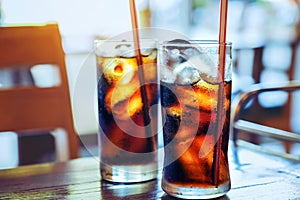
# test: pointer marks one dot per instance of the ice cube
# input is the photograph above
(117, 70)
(175, 52)
(196, 167)
(189, 157)
(167, 62)
(124, 49)
(190, 52)
(147, 51)
(193, 167)
(187, 74)
(175, 56)
(150, 71)
(208, 95)
(121, 100)
(206, 62)
(193, 66)
(197, 97)
(207, 68)
(189, 63)
(153, 55)
(167, 75)
(135, 103)
(126, 140)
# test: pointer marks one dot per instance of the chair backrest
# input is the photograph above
(279, 115)
(31, 107)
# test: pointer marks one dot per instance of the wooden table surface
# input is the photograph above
(258, 176)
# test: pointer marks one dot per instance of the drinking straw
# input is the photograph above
(140, 66)
(222, 56)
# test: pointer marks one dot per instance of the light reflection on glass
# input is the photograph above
(127, 190)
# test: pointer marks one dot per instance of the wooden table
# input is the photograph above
(258, 176)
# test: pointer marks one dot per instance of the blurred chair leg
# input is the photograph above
(73, 141)
(61, 144)
(288, 146)
(235, 137)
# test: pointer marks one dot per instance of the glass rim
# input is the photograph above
(145, 43)
(96, 41)
(197, 42)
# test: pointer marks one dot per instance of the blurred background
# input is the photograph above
(271, 24)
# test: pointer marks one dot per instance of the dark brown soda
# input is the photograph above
(120, 105)
(189, 131)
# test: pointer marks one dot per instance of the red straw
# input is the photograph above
(223, 21)
(136, 39)
(140, 67)
(222, 36)
(222, 56)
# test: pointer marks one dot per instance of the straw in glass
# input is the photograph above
(222, 56)
(140, 68)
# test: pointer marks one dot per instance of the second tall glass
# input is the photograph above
(127, 110)
(195, 97)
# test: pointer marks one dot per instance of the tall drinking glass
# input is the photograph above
(127, 99)
(195, 97)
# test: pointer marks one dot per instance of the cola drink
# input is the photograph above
(193, 165)
(127, 144)
(196, 121)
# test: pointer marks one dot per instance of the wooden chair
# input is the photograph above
(30, 109)
(253, 120)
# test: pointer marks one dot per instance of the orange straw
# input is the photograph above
(136, 39)
(140, 66)
(222, 56)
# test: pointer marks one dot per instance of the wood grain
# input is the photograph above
(253, 175)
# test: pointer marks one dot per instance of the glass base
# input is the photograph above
(129, 174)
(195, 193)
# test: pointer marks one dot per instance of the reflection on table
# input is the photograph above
(254, 176)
